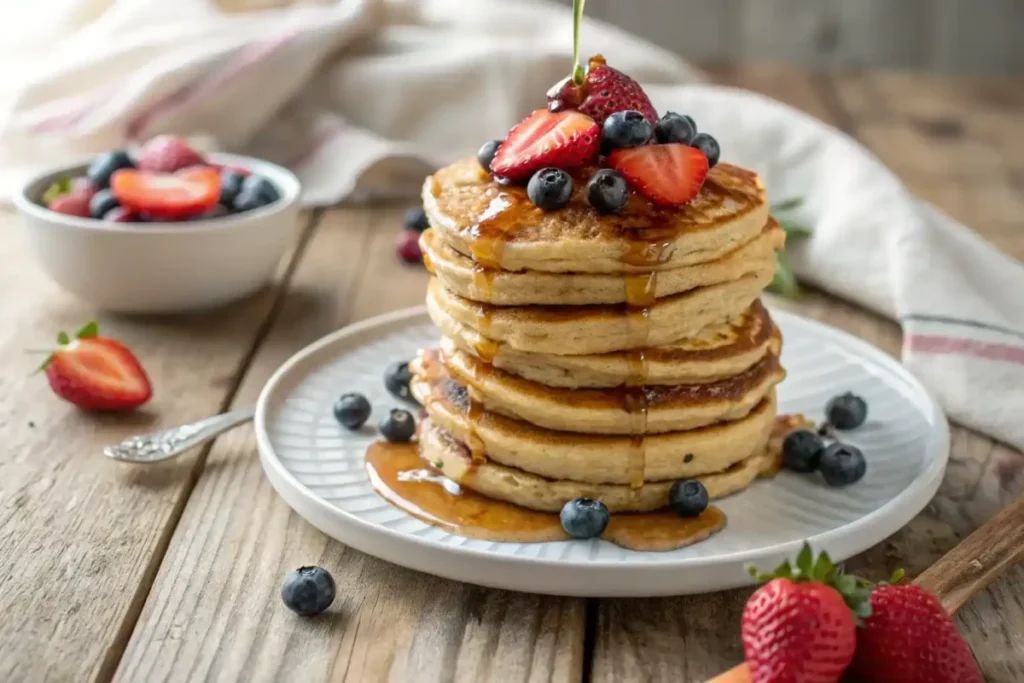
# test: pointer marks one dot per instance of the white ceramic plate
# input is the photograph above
(317, 467)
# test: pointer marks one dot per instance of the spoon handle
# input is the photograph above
(169, 443)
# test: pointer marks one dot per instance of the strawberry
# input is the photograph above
(799, 627)
(603, 92)
(563, 140)
(167, 154)
(96, 373)
(70, 196)
(669, 174)
(166, 196)
(909, 638)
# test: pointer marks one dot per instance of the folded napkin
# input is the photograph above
(363, 97)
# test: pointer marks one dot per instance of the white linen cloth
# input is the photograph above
(363, 97)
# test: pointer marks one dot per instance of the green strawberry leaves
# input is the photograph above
(59, 187)
(785, 282)
(578, 75)
(90, 329)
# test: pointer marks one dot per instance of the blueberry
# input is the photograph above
(261, 186)
(607, 191)
(308, 590)
(486, 154)
(802, 450)
(416, 220)
(397, 378)
(846, 411)
(688, 498)
(249, 199)
(709, 146)
(675, 127)
(102, 203)
(230, 186)
(584, 518)
(103, 166)
(550, 188)
(352, 410)
(842, 464)
(398, 426)
(626, 129)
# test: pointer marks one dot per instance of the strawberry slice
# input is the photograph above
(188, 192)
(564, 140)
(96, 373)
(668, 175)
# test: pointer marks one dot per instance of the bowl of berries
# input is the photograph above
(162, 229)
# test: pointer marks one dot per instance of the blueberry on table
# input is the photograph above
(688, 498)
(261, 186)
(626, 129)
(397, 378)
(584, 518)
(486, 154)
(607, 191)
(102, 203)
(249, 199)
(398, 426)
(230, 186)
(308, 590)
(842, 464)
(416, 220)
(352, 410)
(550, 188)
(675, 127)
(846, 411)
(709, 146)
(103, 166)
(801, 450)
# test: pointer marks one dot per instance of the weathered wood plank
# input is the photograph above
(81, 536)
(214, 612)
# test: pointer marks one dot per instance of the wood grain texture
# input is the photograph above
(696, 637)
(214, 612)
(80, 535)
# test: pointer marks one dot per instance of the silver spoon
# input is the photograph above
(170, 443)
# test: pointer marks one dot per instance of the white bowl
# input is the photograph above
(163, 267)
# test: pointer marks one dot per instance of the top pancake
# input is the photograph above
(499, 228)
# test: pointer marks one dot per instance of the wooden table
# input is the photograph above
(172, 572)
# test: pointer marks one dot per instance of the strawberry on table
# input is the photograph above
(909, 638)
(96, 373)
(167, 196)
(167, 154)
(603, 92)
(668, 175)
(801, 626)
(563, 140)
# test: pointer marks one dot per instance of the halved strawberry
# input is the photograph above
(669, 174)
(604, 91)
(188, 192)
(564, 140)
(96, 373)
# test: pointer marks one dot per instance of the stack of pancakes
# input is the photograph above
(604, 356)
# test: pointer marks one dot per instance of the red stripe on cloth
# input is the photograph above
(940, 346)
(194, 90)
(81, 108)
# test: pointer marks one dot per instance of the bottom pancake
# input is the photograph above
(452, 458)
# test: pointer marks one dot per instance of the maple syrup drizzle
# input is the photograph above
(640, 295)
(403, 479)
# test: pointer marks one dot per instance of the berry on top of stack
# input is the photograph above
(165, 181)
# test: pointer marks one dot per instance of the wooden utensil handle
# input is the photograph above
(960, 574)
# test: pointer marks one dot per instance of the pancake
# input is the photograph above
(527, 490)
(577, 330)
(587, 457)
(460, 275)
(716, 352)
(604, 411)
(498, 226)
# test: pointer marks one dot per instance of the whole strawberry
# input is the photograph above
(909, 638)
(801, 626)
(603, 92)
(167, 154)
